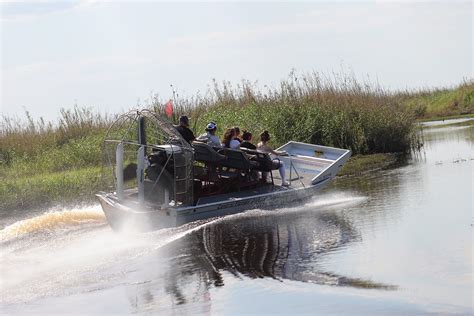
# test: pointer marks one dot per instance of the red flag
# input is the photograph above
(169, 108)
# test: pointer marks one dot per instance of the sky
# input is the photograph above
(112, 56)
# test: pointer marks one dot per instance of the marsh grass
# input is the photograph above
(334, 111)
(360, 164)
(42, 163)
(40, 189)
(440, 103)
(48, 147)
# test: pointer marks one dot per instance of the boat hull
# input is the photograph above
(134, 217)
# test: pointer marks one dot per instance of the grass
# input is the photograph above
(360, 164)
(340, 112)
(49, 188)
(440, 103)
(43, 163)
(48, 146)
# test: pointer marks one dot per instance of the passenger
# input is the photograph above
(229, 140)
(247, 141)
(183, 129)
(237, 134)
(264, 147)
(210, 137)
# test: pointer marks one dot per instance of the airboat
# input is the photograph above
(155, 179)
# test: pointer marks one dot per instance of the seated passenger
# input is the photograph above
(264, 147)
(247, 141)
(183, 129)
(237, 134)
(229, 140)
(210, 137)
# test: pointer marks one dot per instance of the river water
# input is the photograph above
(391, 242)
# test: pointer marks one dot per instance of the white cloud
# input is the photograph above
(24, 10)
(255, 33)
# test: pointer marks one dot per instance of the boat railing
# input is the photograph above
(292, 167)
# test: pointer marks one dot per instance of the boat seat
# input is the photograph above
(263, 160)
(205, 153)
(228, 175)
(236, 159)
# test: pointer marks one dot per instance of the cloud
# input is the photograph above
(332, 19)
(24, 10)
(76, 67)
(252, 33)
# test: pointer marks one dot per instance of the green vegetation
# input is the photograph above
(338, 112)
(440, 103)
(360, 164)
(49, 188)
(46, 163)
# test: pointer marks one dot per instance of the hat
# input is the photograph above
(184, 119)
(211, 126)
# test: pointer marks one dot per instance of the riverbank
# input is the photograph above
(49, 189)
(444, 118)
(439, 104)
(363, 164)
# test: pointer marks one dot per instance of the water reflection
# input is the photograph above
(281, 247)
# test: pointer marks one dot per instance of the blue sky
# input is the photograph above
(112, 55)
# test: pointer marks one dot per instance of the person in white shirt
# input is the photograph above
(229, 140)
(210, 136)
(264, 147)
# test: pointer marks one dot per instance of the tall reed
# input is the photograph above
(74, 134)
(335, 111)
(440, 102)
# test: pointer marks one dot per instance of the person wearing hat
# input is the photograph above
(183, 129)
(210, 137)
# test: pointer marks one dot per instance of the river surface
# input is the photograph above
(390, 242)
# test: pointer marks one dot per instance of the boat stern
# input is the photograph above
(123, 216)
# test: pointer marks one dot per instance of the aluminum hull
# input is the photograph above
(134, 217)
